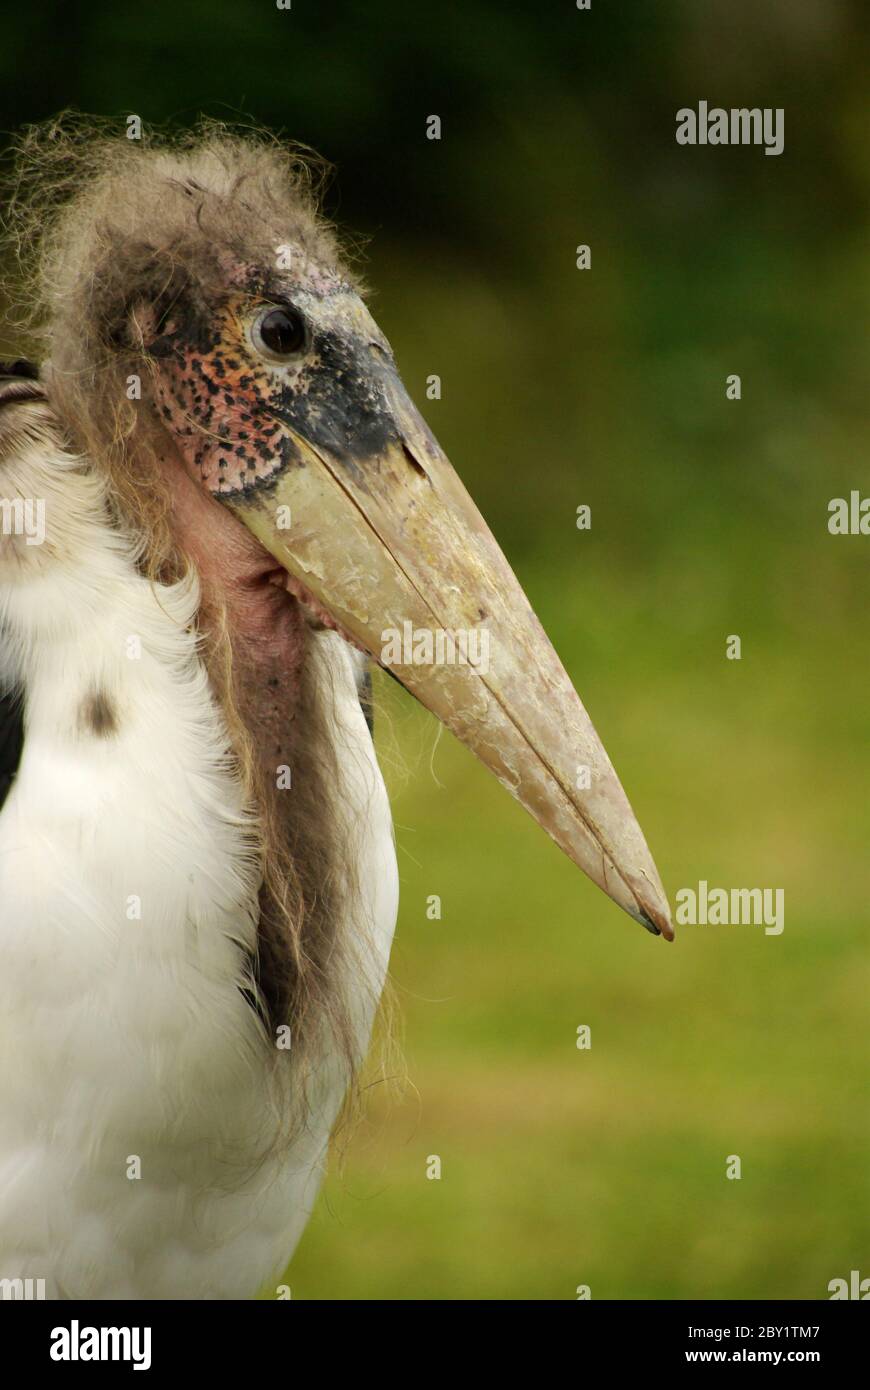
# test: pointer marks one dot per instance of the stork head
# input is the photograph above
(219, 285)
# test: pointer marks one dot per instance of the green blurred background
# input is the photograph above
(709, 517)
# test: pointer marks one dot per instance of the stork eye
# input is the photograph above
(279, 333)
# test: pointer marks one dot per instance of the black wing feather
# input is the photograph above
(18, 382)
(11, 741)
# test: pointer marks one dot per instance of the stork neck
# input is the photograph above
(266, 626)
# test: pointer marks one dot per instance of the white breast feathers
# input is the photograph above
(140, 1116)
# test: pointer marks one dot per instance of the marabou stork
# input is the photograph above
(217, 499)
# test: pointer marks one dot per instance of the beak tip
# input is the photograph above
(649, 906)
(656, 921)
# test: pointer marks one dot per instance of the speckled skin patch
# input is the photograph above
(234, 414)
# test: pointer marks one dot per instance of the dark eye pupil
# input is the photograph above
(282, 332)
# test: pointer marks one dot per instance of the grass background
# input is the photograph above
(607, 387)
(607, 1167)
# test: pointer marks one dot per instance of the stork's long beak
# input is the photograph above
(389, 542)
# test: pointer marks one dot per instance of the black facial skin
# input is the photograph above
(343, 408)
